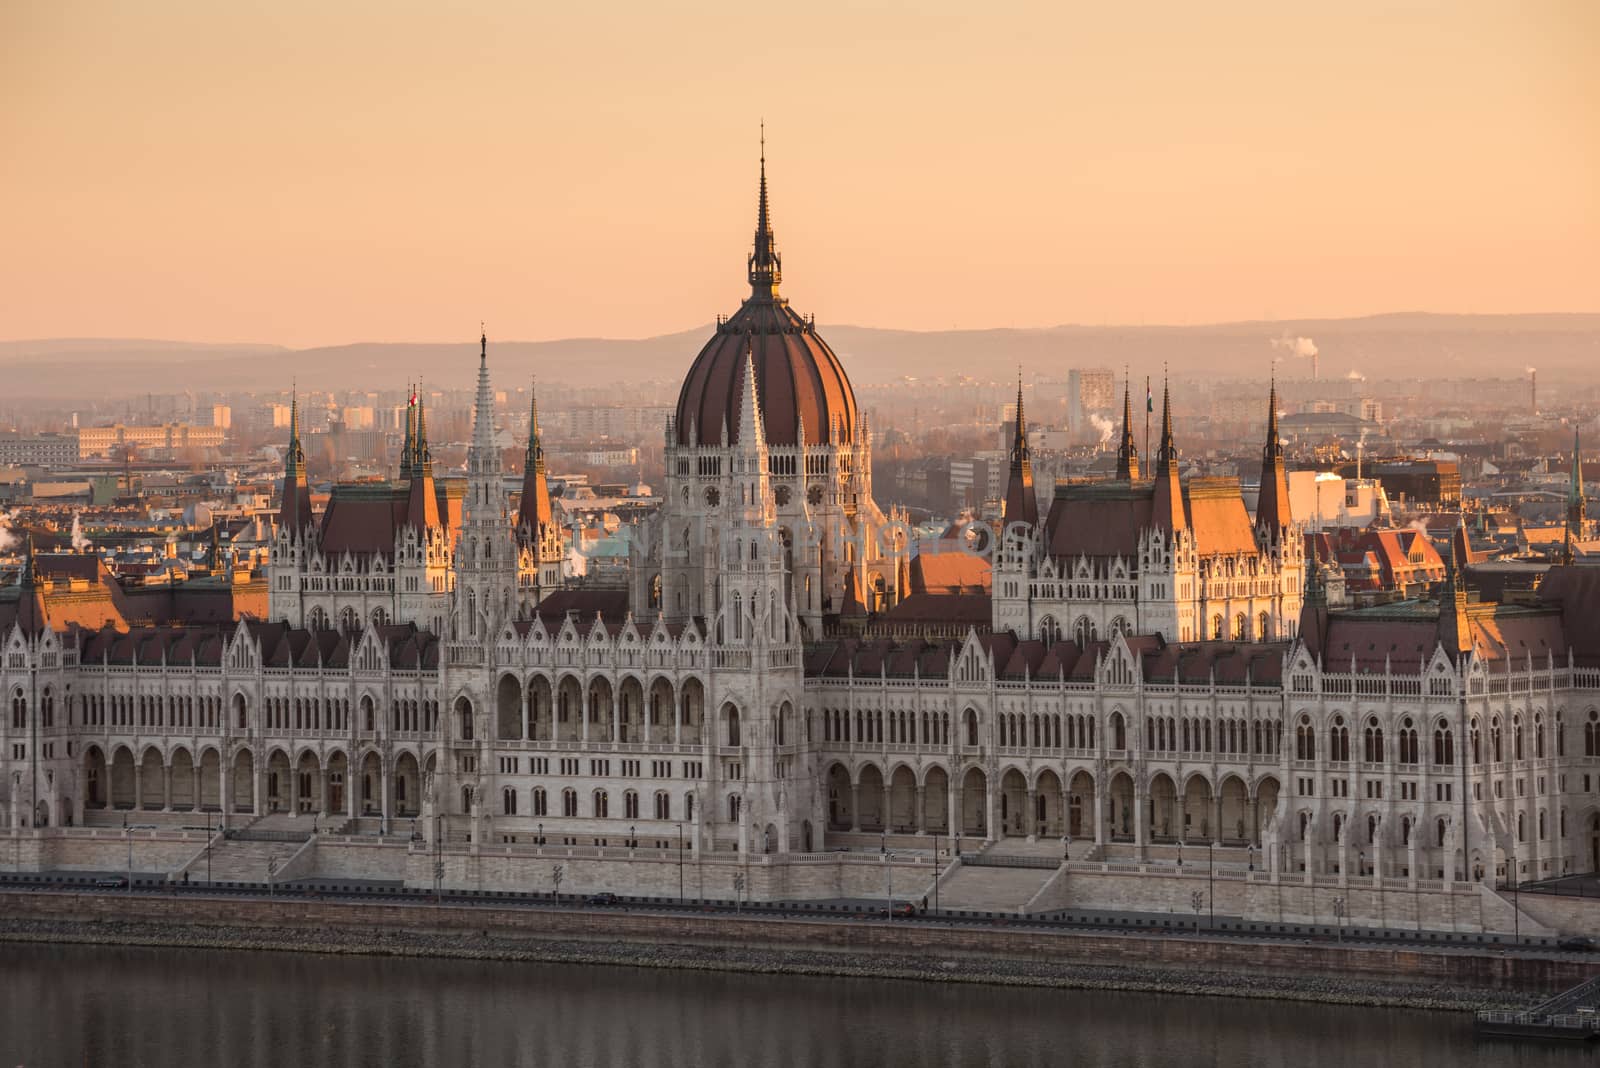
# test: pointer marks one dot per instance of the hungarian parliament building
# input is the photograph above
(1141, 662)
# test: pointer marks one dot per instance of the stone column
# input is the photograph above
(887, 817)
(920, 817)
(528, 721)
(953, 805)
(584, 699)
(1099, 815)
(991, 803)
(294, 790)
(1140, 817)
(677, 719)
(1030, 820)
(1216, 828)
(138, 787)
(166, 788)
(855, 806)
(224, 786)
(195, 773)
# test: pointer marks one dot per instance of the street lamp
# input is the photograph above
(208, 847)
(1250, 852)
(633, 843)
(1338, 914)
(541, 834)
(1197, 899)
(129, 839)
(680, 862)
(936, 871)
(557, 873)
(1066, 849)
(888, 868)
(1211, 880)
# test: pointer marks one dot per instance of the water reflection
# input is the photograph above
(78, 1005)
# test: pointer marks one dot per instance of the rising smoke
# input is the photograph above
(80, 543)
(1105, 426)
(1295, 346)
(8, 537)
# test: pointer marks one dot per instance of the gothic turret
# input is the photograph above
(1272, 505)
(422, 497)
(533, 513)
(1021, 504)
(1577, 509)
(486, 567)
(1127, 451)
(1168, 511)
(294, 508)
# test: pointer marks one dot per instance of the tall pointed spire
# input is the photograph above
(408, 449)
(1272, 505)
(294, 507)
(422, 456)
(483, 410)
(1455, 632)
(1021, 504)
(764, 264)
(533, 512)
(1577, 506)
(1167, 452)
(1127, 451)
(752, 435)
(1168, 510)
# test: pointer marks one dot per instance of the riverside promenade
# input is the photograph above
(1310, 966)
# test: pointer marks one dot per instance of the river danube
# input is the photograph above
(75, 1005)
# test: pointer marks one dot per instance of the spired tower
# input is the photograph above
(538, 537)
(841, 557)
(486, 552)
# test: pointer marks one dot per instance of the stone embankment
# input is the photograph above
(721, 943)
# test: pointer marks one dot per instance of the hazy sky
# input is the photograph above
(313, 173)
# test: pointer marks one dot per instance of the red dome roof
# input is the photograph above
(800, 381)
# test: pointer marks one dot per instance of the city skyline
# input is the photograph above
(567, 191)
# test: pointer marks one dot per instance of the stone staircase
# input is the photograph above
(235, 860)
(990, 889)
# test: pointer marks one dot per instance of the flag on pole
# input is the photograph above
(1149, 398)
(413, 398)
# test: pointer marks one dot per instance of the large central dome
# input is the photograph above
(802, 384)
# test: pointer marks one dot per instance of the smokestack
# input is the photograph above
(1533, 391)
(1313, 365)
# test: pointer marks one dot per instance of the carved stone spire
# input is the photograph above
(1272, 506)
(1127, 452)
(1021, 504)
(764, 264)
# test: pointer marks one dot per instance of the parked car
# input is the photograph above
(899, 908)
(112, 882)
(1578, 944)
(600, 899)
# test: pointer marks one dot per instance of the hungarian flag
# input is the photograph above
(413, 398)
(1149, 398)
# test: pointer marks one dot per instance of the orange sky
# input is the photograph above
(312, 173)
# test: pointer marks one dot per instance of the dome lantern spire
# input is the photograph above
(765, 265)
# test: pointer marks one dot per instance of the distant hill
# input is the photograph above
(1402, 345)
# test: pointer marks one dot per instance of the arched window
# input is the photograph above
(1264, 627)
(1439, 833)
(1049, 631)
(663, 805)
(601, 804)
(1241, 628)
(464, 718)
(1476, 742)
(569, 802)
(1538, 737)
(1444, 745)
(1216, 627)
(1339, 741)
(1305, 740)
(1496, 752)
(972, 727)
(688, 805)
(630, 805)
(1591, 735)
(508, 801)
(1372, 742)
(1408, 742)
(730, 716)
(1516, 737)
(733, 808)
(540, 801)
(1119, 731)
